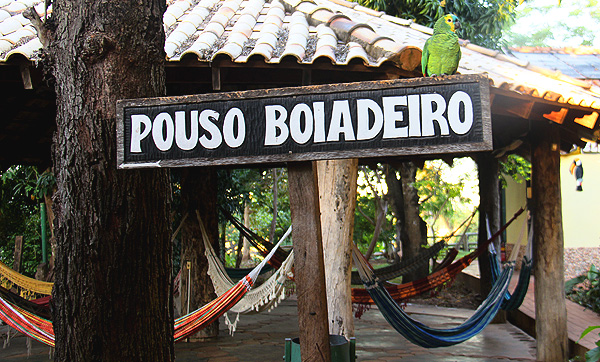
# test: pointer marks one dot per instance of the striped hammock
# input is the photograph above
(29, 288)
(408, 265)
(385, 273)
(41, 329)
(417, 332)
(512, 301)
(261, 298)
(435, 280)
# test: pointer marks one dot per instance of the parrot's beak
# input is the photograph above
(456, 25)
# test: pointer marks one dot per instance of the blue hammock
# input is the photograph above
(417, 332)
(513, 301)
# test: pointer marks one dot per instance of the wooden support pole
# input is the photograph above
(548, 248)
(308, 260)
(489, 210)
(337, 189)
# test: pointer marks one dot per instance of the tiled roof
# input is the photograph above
(307, 30)
(581, 62)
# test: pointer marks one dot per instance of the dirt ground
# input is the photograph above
(453, 296)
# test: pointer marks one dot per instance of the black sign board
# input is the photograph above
(355, 120)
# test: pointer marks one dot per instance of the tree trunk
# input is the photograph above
(198, 195)
(112, 294)
(489, 210)
(246, 248)
(50, 213)
(548, 247)
(397, 203)
(415, 227)
(275, 208)
(337, 189)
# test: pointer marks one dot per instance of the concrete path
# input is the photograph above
(261, 338)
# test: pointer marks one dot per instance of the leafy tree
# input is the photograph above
(552, 24)
(255, 187)
(515, 167)
(482, 22)
(442, 194)
(22, 188)
(371, 203)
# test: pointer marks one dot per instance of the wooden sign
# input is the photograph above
(355, 120)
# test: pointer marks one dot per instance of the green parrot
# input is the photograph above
(441, 52)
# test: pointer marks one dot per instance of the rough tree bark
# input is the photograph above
(198, 195)
(337, 199)
(548, 246)
(415, 227)
(112, 294)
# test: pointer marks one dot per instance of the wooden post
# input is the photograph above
(337, 189)
(308, 260)
(548, 248)
(18, 253)
(489, 209)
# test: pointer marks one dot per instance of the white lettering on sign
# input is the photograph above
(346, 120)
(398, 117)
(185, 134)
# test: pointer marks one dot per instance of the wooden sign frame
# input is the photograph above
(355, 120)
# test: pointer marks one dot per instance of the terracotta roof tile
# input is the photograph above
(10, 25)
(5, 45)
(338, 30)
(15, 7)
(4, 15)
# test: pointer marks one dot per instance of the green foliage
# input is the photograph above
(482, 22)
(592, 355)
(515, 167)
(236, 187)
(585, 289)
(441, 197)
(21, 190)
(547, 24)
(371, 195)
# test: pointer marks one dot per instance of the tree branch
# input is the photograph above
(42, 31)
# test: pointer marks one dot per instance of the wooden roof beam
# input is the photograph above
(503, 105)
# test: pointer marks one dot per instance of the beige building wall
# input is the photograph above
(581, 221)
(515, 198)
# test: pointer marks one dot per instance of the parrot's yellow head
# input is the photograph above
(447, 22)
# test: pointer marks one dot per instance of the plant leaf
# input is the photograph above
(588, 330)
(593, 355)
